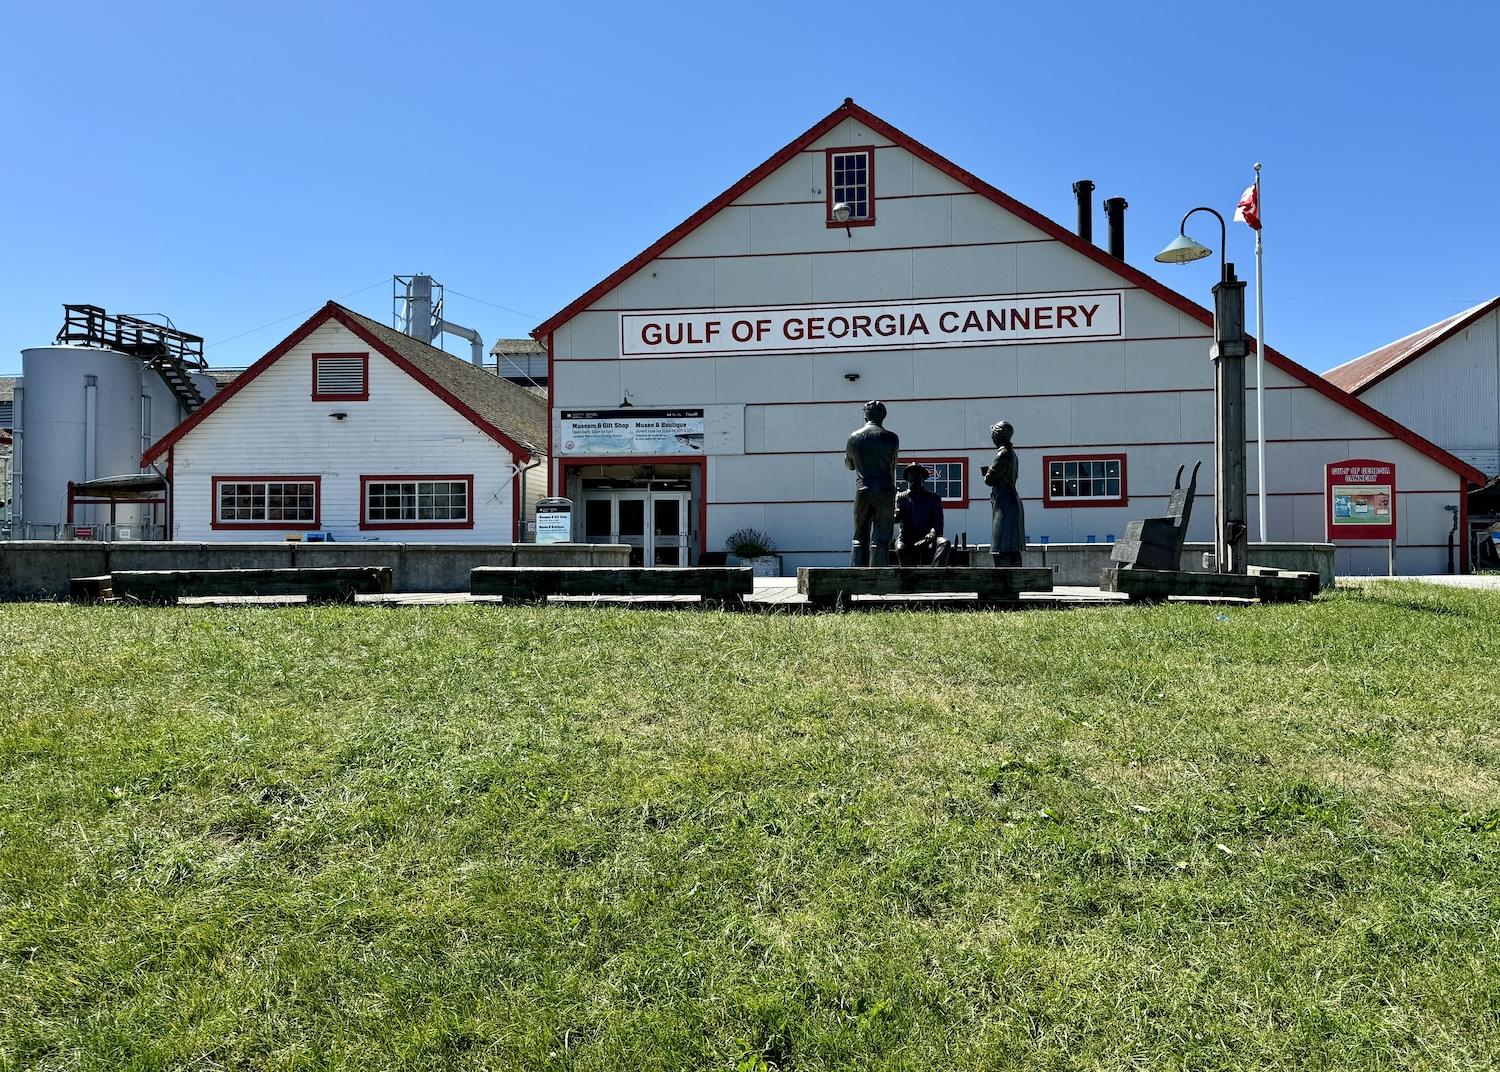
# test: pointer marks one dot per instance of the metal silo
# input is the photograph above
(81, 420)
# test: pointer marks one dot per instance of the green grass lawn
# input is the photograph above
(1182, 837)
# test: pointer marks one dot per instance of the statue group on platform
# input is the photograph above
(872, 451)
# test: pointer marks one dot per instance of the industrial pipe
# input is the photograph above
(476, 344)
(1083, 191)
(1114, 208)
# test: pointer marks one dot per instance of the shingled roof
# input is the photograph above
(1366, 371)
(511, 415)
(506, 405)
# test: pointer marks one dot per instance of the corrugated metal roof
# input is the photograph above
(1369, 369)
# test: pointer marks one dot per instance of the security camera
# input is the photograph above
(851, 376)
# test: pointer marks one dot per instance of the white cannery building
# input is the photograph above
(354, 431)
(709, 384)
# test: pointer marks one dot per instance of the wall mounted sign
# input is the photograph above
(631, 431)
(997, 320)
(1360, 499)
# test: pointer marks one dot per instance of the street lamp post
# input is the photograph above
(1231, 499)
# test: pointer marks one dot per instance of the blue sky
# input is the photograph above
(237, 165)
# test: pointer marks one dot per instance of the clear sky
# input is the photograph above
(236, 165)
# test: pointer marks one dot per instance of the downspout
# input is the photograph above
(90, 431)
(17, 435)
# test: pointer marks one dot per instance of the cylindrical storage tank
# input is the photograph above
(82, 420)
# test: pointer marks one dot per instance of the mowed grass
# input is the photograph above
(1182, 837)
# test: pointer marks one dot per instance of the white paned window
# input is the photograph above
(241, 501)
(341, 376)
(947, 479)
(1086, 481)
(395, 502)
(851, 181)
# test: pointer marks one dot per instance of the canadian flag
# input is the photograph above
(1248, 210)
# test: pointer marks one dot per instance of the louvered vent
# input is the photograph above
(340, 376)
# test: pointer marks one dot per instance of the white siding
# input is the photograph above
(1148, 395)
(1451, 394)
(272, 427)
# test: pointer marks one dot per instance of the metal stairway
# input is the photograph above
(174, 355)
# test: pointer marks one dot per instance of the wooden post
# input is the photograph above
(1231, 501)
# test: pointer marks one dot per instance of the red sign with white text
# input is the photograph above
(1360, 499)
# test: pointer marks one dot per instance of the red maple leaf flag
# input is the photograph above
(1248, 210)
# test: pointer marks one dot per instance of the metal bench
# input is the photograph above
(531, 584)
(318, 584)
(830, 587)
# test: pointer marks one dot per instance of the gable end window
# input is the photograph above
(266, 502)
(1084, 480)
(851, 181)
(416, 502)
(341, 377)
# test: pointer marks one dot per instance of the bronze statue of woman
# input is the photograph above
(1007, 518)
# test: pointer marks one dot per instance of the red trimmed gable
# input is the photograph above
(1364, 372)
(347, 319)
(1049, 227)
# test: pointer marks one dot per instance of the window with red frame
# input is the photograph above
(948, 478)
(851, 181)
(271, 502)
(417, 502)
(341, 377)
(1084, 480)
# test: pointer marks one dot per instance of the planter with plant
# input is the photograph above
(753, 548)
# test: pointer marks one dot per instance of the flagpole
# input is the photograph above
(1260, 368)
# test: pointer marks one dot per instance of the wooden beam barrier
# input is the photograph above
(318, 584)
(1261, 582)
(832, 586)
(531, 584)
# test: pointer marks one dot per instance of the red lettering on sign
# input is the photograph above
(861, 324)
(1021, 317)
(945, 326)
(838, 326)
(814, 328)
(762, 328)
(651, 334)
(1043, 316)
(793, 329)
(918, 323)
(1067, 314)
(742, 330)
(1088, 312)
(994, 321)
(885, 324)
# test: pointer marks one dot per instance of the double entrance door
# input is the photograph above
(653, 524)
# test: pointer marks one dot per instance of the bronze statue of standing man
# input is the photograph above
(1007, 518)
(871, 453)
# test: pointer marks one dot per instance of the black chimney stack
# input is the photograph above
(1114, 208)
(1082, 189)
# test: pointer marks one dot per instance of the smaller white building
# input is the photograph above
(352, 429)
(1442, 382)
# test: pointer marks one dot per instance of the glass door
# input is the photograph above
(669, 527)
(630, 524)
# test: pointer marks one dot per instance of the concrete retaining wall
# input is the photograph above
(39, 570)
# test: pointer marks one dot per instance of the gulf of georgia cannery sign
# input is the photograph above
(996, 320)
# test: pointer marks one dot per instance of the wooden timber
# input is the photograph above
(525, 584)
(832, 586)
(318, 584)
(91, 590)
(1262, 583)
